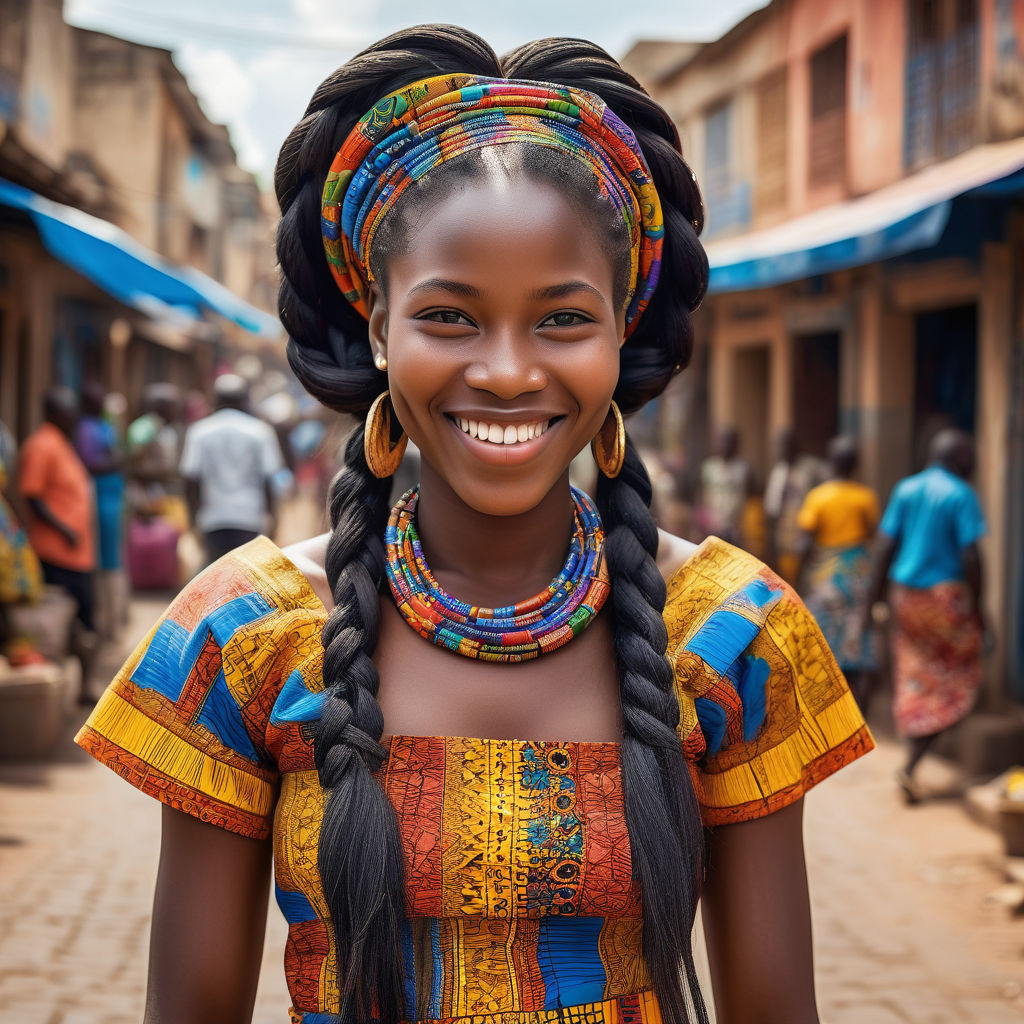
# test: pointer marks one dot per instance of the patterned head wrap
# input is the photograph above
(416, 128)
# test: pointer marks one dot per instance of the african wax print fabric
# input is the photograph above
(521, 903)
(937, 646)
(414, 129)
(836, 585)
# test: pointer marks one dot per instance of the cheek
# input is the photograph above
(592, 383)
(418, 374)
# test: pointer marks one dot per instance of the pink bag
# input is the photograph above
(153, 554)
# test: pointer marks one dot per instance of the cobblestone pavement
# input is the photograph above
(904, 931)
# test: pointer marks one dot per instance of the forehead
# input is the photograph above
(502, 230)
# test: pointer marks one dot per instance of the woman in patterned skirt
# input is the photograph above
(496, 815)
(839, 519)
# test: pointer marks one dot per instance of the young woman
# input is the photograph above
(497, 814)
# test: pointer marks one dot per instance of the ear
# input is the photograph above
(378, 327)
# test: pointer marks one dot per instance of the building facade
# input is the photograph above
(862, 164)
(110, 128)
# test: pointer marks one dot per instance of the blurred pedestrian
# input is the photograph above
(21, 579)
(229, 462)
(838, 520)
(928, 552)
(790, 480)
(154, 442)
(725, 487)
(57, 488)
(100, 450)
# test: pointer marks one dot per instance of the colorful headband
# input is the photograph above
(414, 129)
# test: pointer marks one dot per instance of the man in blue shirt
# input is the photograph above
(928, 557)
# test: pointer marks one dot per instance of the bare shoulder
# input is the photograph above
(308, 557)
(673, 551)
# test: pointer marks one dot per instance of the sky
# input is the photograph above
(255, 64)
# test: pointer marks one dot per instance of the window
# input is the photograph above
(727, 199)
(770, 175)
(942, 80)
(827, 163)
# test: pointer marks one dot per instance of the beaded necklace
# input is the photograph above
(516, 632)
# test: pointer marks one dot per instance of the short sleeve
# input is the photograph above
(185, 719)
(765, 712)
(189, 464)
(892, 520)
(970, 521)
(807, 517)
(775, 489)
(272, 461)
(871, 510)
(34, 467)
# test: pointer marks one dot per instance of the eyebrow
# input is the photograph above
(446, 285)
(559, 291)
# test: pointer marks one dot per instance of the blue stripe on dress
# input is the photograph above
(437, 981)
(222, 716)
(569, 958)
(160, 667)
(294, 905)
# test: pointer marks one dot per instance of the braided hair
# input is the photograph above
(328, 349)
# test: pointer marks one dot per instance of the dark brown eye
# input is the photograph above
(565, 319)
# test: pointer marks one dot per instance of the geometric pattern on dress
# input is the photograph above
(521, 906)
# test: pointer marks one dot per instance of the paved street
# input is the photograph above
(904, 931)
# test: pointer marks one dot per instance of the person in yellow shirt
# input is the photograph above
(838, 519)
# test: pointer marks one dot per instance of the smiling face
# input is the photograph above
(501, 329)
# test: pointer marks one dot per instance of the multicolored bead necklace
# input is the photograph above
(516, 632)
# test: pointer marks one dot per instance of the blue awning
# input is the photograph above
(904, 217)
(133, 275)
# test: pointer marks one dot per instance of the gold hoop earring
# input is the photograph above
(609, 445)
(384, 440)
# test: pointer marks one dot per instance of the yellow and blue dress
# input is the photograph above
(521, 903)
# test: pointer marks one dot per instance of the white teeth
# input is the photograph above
(496, 433)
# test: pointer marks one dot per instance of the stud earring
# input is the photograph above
(384, 440)
(609, 445)
(381, 362)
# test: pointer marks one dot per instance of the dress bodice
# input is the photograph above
(521, 906)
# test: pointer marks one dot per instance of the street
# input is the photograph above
(904, 930)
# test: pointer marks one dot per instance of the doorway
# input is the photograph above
(753, 366)
(945, 374)
(816, 390)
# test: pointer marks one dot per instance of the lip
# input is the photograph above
(504, 454)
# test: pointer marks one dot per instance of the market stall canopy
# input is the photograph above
(908, 215)
(129, 272)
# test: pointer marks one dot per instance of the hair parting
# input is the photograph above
(329, 351)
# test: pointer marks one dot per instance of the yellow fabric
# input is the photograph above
(840, 513)
(167, 753)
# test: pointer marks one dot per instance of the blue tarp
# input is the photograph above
(894, 221)
(130, 273)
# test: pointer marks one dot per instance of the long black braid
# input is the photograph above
(360, 856)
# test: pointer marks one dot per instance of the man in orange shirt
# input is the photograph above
(58, 492)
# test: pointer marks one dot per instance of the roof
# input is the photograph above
(906, 216)
(115, 262)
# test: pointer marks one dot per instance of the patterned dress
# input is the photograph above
(521, 903)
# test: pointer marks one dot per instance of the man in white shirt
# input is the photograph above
(228, 462)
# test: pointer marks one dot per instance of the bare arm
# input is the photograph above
(47, 515)
(209, 919)
(885, 551)
(757, 921)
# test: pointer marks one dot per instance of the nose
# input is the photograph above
(507, 365)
